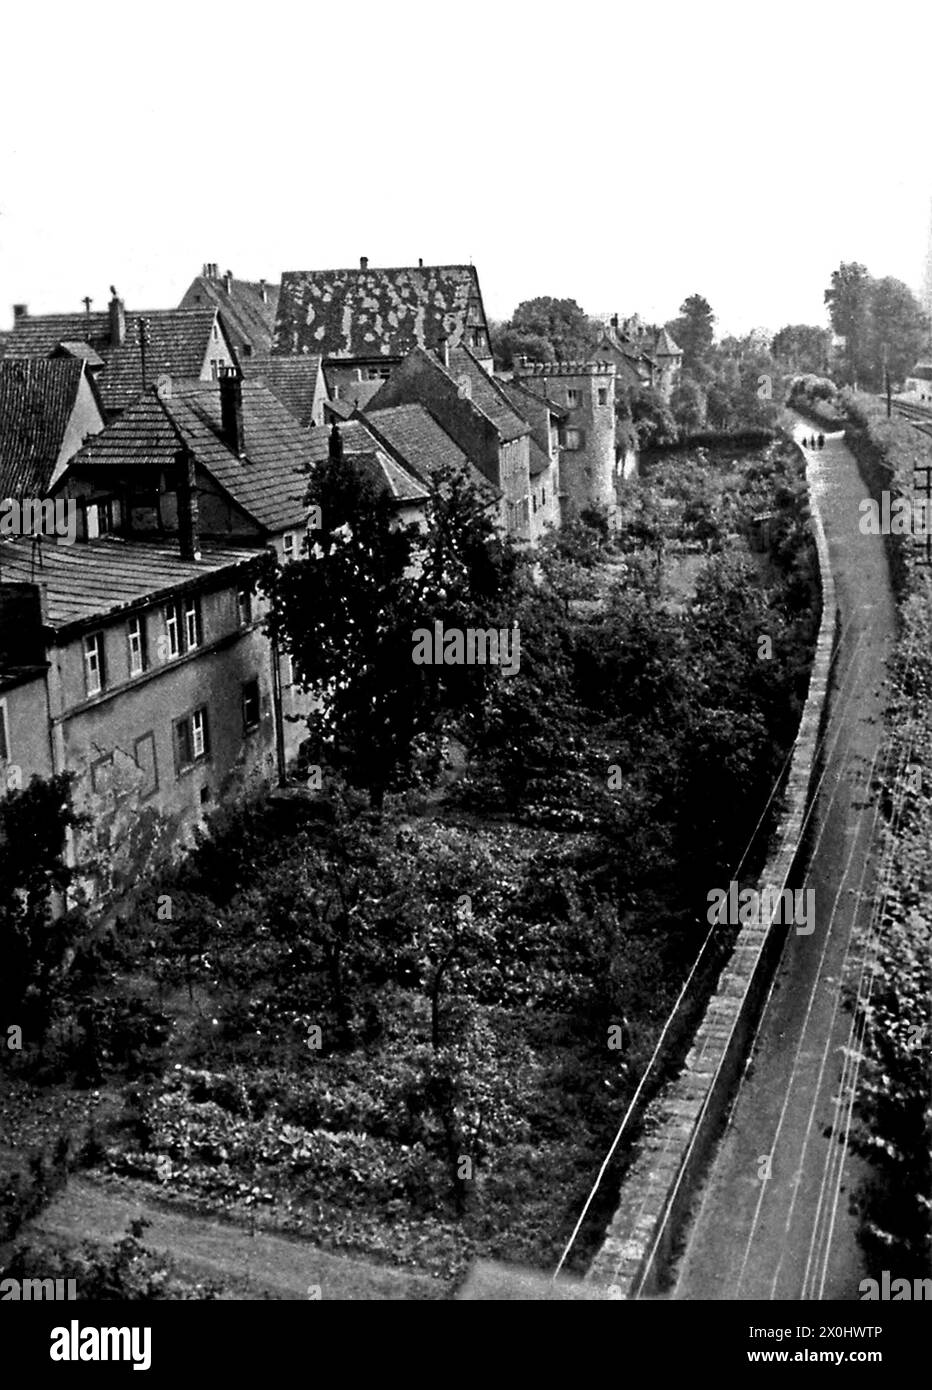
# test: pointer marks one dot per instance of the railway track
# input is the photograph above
(919, 416)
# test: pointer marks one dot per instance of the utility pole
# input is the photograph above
(925, 468)
(886, 377)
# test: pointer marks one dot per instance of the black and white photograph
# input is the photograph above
(465, 676)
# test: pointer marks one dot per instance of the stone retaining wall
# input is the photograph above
(682, 1125)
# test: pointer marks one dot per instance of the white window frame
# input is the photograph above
(94, 663)
(173, 629)
(192, 624)
(288, 545)
(136, 638)
(199, 733)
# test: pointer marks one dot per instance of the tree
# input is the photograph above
(688, 404)
(645, 409)
(34, 825)
(694, 330)
(348, 612)
(508, 345)
(848, 300)
(561, 322)
(802, 347)
(897, 330)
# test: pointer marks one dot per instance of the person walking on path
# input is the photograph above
(821, 441)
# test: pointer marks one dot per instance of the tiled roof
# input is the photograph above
(353, 393)
(362, 445)
(664, 346)
(37, 399)
(293, 380)
(178, 340)
(413, 434)
(249, 318)
(268, 483)
(537, 410)
(368, 313)
(92, 579)
(80, 349)
(487, 394)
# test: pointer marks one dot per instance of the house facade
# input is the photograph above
(155, 687)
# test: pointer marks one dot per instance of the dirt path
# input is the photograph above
(248, 1266)
(791, 1235)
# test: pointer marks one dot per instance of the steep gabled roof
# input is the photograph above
(269, 483)
(177, 344)
(249, 317)
(371, 313)
(424, 445)
(487, 394)
(364, 446)
(537, 410)
(664, 346)
(295, 381)
(37, 401)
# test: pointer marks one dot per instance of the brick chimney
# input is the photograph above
(335, 444)
(189, 531)
(117, 319)
(615, 322)
(228, 281)
(20, 311)
(231, 410)
(264, 291)
(22, 642)
(443, 349)
(363, 262)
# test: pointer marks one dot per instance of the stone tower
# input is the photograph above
(586, 392)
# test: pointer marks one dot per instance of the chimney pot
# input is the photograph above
(228, 282)
(20, 311)
(264, 291)
(363, 262)
(231, 410)
(117, 319)
(335, 444)
(420, 262)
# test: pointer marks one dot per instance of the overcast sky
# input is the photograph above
(625, 155)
